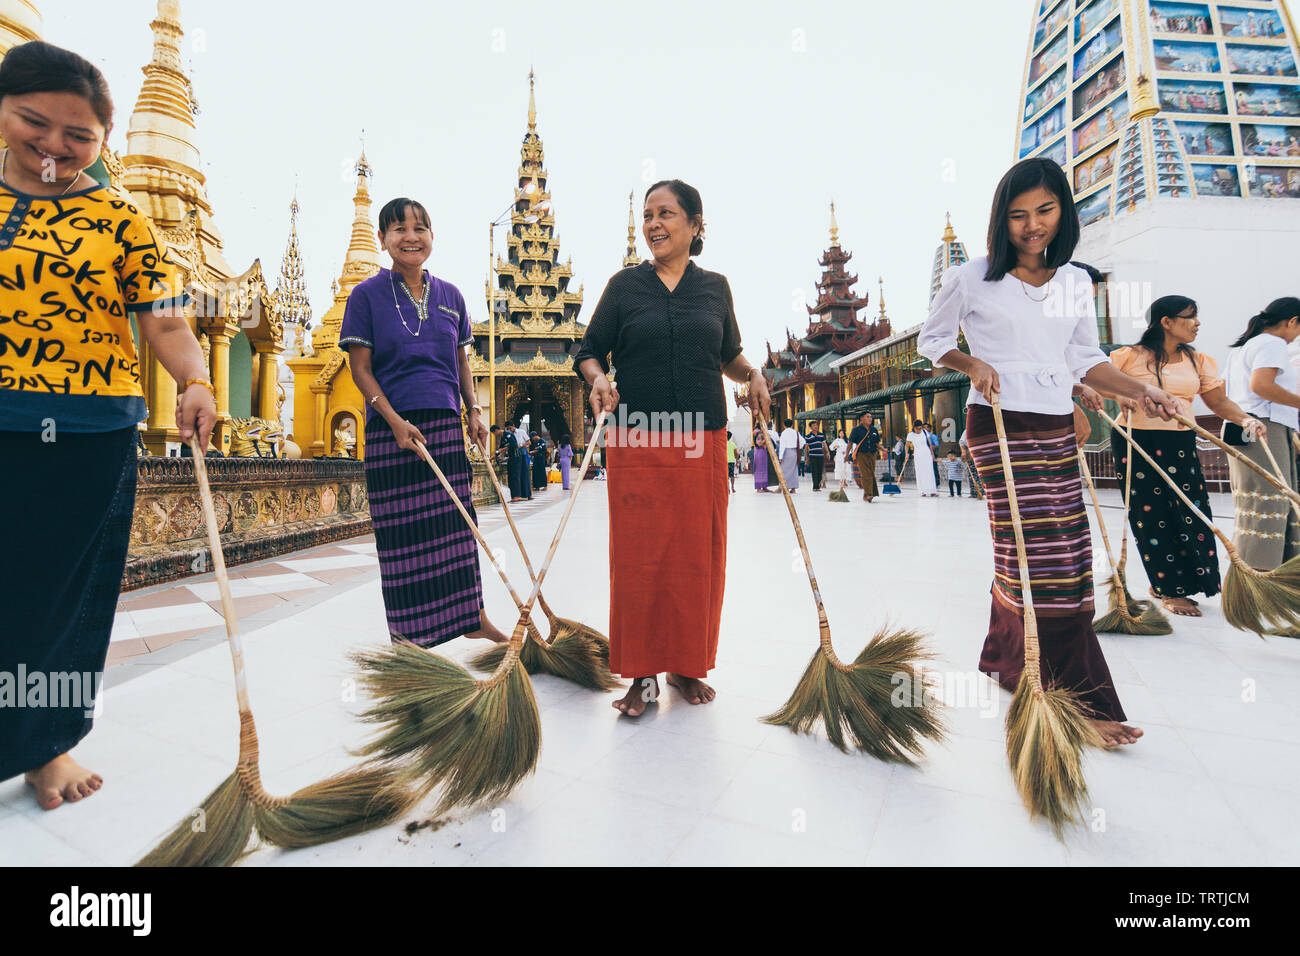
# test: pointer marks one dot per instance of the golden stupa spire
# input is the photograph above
(881, 282)
(631, 259)
(20, 22)
(532, 103)
(835, 229)
(362, 258)
(948, 234)
(163, 172)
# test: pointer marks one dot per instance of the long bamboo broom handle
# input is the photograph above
(823, 625)
(501, 493)
(1245, 459)
(1272, 460)
(247, 764)
(478, 535)
(223, 580)
(1033, 667)
(1128, 498)
(1223, 538)
(1096, 505)
(568, 508)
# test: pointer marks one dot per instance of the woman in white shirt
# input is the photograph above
(1031, 323)
(791, 442)
(840, 449)
(1262, 379)
(919, 439)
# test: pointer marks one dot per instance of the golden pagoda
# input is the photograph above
(234, 315)
(20, 22)
(537, 328)
(631, 259)
(328, 408)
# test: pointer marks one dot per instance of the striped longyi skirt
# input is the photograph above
(1044, 461)
(428, 558)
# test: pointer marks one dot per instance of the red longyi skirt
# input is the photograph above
(667, 552)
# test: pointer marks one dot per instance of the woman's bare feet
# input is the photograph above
(488, 631)
(692, 688)
(62, 779)
(1115, 734)
(643, 692)
(1178, 605)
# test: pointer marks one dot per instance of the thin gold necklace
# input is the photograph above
(1024, 288)
(4, 161)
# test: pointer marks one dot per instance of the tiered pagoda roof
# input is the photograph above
(834, 328)
(291, 287)
(631, 259)
(536, 312)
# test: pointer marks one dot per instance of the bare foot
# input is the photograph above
(488, 631)
(1114, 734)
(62, 779)
(643, 692)
(692, 688)
(1178, 605)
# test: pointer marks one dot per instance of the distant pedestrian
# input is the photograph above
(760, 461)
(791, 444)
(955, 470)
(864, 449)
(731, 462)
(565, 456)
(537, 453)
(840, 449)
(816, 452)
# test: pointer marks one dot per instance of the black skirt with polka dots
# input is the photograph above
(1178, 551)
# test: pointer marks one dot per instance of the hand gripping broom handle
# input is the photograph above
(823, 625)
(1032, 666)
(1277, 482)
(1223, 538)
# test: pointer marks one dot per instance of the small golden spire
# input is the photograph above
(532, 103)
(881, 281)
(835, 229)
(948, 234)
(631, 259)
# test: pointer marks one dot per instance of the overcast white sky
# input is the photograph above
(898, 111)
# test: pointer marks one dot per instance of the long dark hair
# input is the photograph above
(1024, 176)
(1278, 311)
(395, 210)
(1153, 339)
(39, 67)
(688, 197)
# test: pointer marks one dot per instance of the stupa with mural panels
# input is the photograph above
(536, 328)
(1178, 123)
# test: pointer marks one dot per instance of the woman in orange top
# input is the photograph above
(1177, 550)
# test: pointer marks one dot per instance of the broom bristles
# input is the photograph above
(577, 653)
(1128, 616)
(1263, 601)
(879, 702)
(450, 729)
(340, 806)
(224, 828)
(1046, 734)
(838, 495)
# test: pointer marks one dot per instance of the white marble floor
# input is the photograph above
(1214, 781)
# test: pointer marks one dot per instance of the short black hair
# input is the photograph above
(789, 422)
(1026, 175)
(395, 210)
(688, 197)
(39, 67)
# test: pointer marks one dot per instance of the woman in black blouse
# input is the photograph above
(671, 329)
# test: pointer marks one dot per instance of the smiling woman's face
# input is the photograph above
(1033, 219)
(667, 229)
(409, 241)
(51, 136)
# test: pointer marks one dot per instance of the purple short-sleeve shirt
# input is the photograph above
(415, 371)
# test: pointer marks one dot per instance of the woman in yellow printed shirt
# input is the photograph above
(77, 261)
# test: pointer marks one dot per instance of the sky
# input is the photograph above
(899, 112)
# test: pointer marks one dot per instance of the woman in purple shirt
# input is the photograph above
(405, 333)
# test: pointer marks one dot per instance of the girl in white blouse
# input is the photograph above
(1262, 379)
(1030, 320)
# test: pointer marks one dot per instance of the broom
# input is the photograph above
(478, 738)
(574, 651)
(1136, 608)
(859, 699)
(1120, 619)
(347, 803)
(1279, 482)
(1047, 728)
(1265, 602)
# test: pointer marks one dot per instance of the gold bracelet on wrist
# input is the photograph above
(200, 381)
